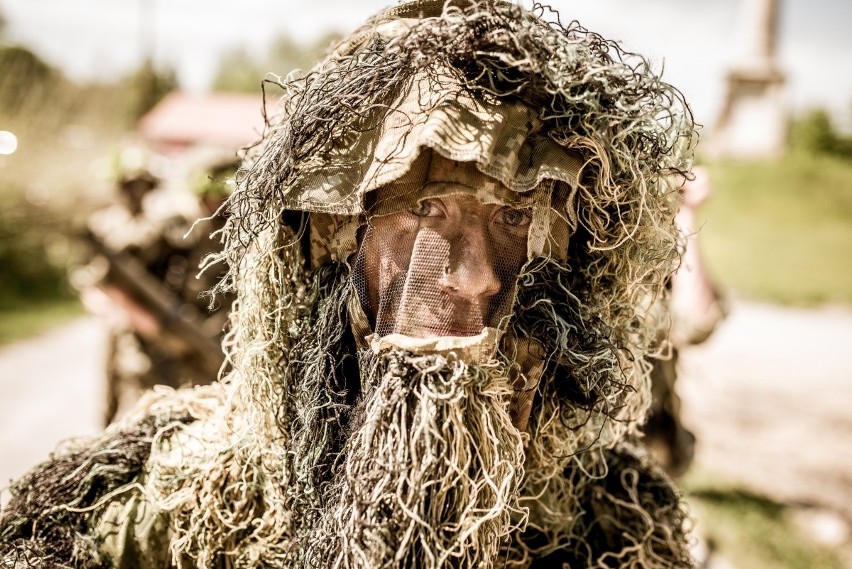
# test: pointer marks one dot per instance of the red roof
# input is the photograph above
(181, 120)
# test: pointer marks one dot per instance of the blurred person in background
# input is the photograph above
(695, 307)
(442, 248)
(141, 278)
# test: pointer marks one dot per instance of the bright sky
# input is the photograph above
(695, 40)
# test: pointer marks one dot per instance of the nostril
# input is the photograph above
(469, 272)
(470, 282)
(447, 284)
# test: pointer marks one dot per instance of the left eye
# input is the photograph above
(515, 217)
(426, 208)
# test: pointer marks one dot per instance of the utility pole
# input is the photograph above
(147, 30)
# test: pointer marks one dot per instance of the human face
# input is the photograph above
(445, 267)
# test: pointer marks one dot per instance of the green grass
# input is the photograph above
(28, 320)
(781, 231)
(751, 531)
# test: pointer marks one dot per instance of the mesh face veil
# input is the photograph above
(439, 264)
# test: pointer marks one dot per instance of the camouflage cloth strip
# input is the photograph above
(504, 139)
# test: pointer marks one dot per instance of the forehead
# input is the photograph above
(334, 237)
(432, 175)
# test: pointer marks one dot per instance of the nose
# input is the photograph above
(470, 273)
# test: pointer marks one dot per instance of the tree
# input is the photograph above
(815, 133)
(239, 72)
(147, 87)
(26, 79)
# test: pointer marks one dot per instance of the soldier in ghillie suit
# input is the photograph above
(696, 307)
(447, 252)
(141, 278)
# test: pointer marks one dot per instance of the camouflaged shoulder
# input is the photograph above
(631, 517)
(59, 512)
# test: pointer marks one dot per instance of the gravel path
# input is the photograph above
(50, 389)
(769, 397)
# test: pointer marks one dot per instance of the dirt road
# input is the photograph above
(768, 396)
(50, 389)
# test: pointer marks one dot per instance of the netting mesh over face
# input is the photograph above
(420, 283)
(446, 263)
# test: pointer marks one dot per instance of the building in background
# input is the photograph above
(182, 121)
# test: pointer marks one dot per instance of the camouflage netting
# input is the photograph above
(316, 451)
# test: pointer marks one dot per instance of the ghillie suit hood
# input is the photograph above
(326, 446)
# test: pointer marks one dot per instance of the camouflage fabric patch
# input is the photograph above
(504, 138)
(333, 237)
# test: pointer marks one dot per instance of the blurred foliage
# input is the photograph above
(814, 132)
(238, 71)
(55, 179)
(781, 230)
(33, 251)
(146, 87)
(32, 84)
(748, 530)
(27, 319)
(40, 101)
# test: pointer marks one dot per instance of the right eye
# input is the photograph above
(426, 208)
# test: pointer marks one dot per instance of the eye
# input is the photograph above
(515, 217)
(426, 208)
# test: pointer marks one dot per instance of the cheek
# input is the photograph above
(510, 252)
(386, 249)
(509, 256)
